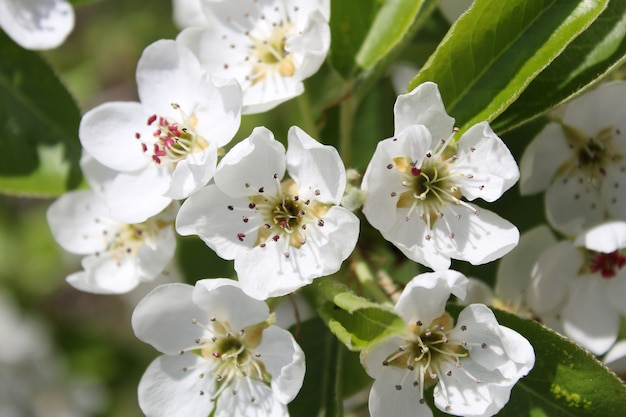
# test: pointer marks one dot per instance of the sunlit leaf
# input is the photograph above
(491, 54)
(38, 126)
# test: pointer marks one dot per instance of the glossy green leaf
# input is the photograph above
(595, 52)
(332, 372)
(356, 321)
(392, 25)
(350, 21)
(38, 126)
(491, 54)
(566, 380)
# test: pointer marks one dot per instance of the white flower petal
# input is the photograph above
(240, 405)
(192, 173)
(106, 274)
(154, 257)
(597, 109)
(107, 133)
(552, 276)
(612, 190)
(460, 394)
(311, 44)
(257, 162)
(188, 13)
(478, 238)
(165, 390)
(284, 360)
(314, 166)
(478, 326)
(514, 270)
(616, 291)
(145, 188)
(217, 297)
(37, 24)
(425, 296)
(386, 401)
(572, 205)
(607, 237)
(542, 158)
(164, 318)
(423, 106)
(483, 154)
(74, 219)
(588, 318)
(520, 353)
(478, 292)
(207, 214)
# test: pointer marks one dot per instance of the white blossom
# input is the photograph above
(473, 364)
(268, 46)
(222, 354)
(281, 231)
(586, 281)
(580, 163)
(166, 146)
(118, 256)
(37, 24)
(416, 180)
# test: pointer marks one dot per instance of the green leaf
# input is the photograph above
(356, 321)
(491, 54)
(38, 126)
(350, 21)
(328, 362)
(392, 25)
(598, 50)
(566, 380)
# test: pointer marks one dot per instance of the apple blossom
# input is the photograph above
(586, 281)
(37, 24)
(165, 147)
(416, 180)
(222, 354)
(119, 256)
(281, 232)
(268, 46)
(473, 365)
(579, 161)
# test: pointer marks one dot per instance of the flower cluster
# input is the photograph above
(169, 164)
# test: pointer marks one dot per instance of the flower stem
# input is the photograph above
(347, 111)
(306, 113)
(366, 278)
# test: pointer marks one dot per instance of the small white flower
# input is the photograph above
(580, 162)
(166, 146)
(586, 281)
(37, 24)
(416, 180)
(269, 46)
(119, 256)
(473, 364)
(222, 354)
(281, 232)
(615, 359)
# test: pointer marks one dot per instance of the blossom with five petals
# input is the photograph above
(118, 256)
(580, 162)
(474, 363)
(416, 180)
(586, 281)
(281, 232)
(166, 146)
(222, 355)
(268, 46)
(37, 24)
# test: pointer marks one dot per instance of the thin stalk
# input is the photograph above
(306, 113)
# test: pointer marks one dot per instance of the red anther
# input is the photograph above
(416, 171)
(151, 119)
(240, 236)
(607, 263)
